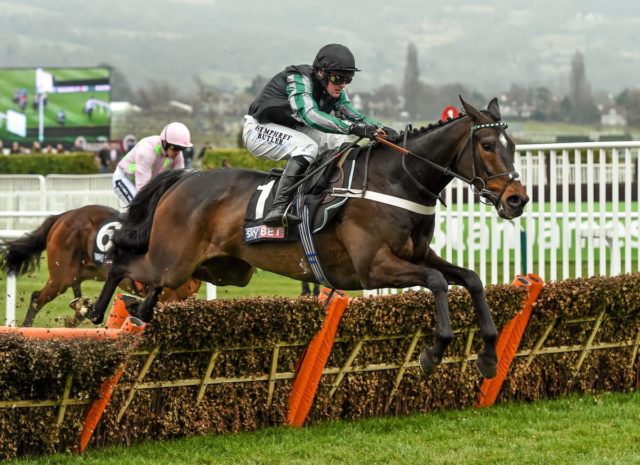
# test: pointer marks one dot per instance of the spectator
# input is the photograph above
(15, 148)
(103, 158)
(61, 117)
(60, 148)
(36, 147)
(22, 99)
(200, 157)
(187, 153)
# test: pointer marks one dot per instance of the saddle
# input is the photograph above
(329, 172)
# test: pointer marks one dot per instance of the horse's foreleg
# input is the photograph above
(387, 270)
(487, 359)
(145, 311)
(96, 312)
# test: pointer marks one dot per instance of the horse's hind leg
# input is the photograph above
(40, 298)
(33, 309)
(487, 359)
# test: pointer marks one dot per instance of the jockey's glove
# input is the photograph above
(391, 133)
(363, 130)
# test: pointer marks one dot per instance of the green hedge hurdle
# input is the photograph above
(221, 366)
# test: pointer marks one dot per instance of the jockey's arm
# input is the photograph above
(345, 108)
(301, 99)
(143, 172)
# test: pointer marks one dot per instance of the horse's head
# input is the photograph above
(487, 161)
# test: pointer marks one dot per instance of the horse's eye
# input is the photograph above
(488, 147)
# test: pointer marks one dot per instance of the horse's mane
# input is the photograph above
(414, 132)
(133, 236)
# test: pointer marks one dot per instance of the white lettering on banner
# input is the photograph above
(551, 236)
(263, 232)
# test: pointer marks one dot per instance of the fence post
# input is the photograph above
(510, 338)
(10, 310)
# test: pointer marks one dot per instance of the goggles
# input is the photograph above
(338, 80)
(175, 148)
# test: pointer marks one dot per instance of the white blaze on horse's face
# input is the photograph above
(503, 140)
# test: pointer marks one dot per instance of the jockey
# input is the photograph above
(148, 158)
(302, 111)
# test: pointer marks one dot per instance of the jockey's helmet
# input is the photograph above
(176, 134)
(337, 59)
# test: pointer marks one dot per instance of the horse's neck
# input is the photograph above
(442, 146)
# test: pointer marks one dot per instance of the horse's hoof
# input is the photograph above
(97, 320)
(75, 303)
(487, 365)
(81, 306)
(428, 362)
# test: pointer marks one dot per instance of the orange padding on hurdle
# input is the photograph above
(62, 333)
(510, 338)
(118, 318)
(304, 387)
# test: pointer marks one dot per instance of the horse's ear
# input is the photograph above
(470, 110)
(494, 108)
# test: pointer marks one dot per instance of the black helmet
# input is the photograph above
(337, 58)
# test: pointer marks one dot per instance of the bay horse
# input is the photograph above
(191, 223)
(68, 239)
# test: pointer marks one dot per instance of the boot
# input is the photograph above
(296, 166)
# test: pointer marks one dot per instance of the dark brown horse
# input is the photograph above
(191, 223)
(68, 239)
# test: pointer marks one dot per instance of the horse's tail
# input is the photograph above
(22, 255)
(133, 236)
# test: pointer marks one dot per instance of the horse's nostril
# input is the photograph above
(516, 201)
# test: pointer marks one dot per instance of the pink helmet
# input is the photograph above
(176, 134)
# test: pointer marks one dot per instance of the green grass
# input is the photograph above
(589, 430)
(262, 284)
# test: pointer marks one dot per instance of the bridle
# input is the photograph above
(476, 183)
(480, 189)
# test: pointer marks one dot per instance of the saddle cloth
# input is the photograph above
(322, 206)
(102, 242)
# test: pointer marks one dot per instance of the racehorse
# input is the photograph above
(191, 223)
(68, 238)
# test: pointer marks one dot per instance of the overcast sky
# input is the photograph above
(484, 45)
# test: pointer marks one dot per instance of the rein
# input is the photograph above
(477, 184)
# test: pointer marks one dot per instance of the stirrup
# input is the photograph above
(289, 219)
